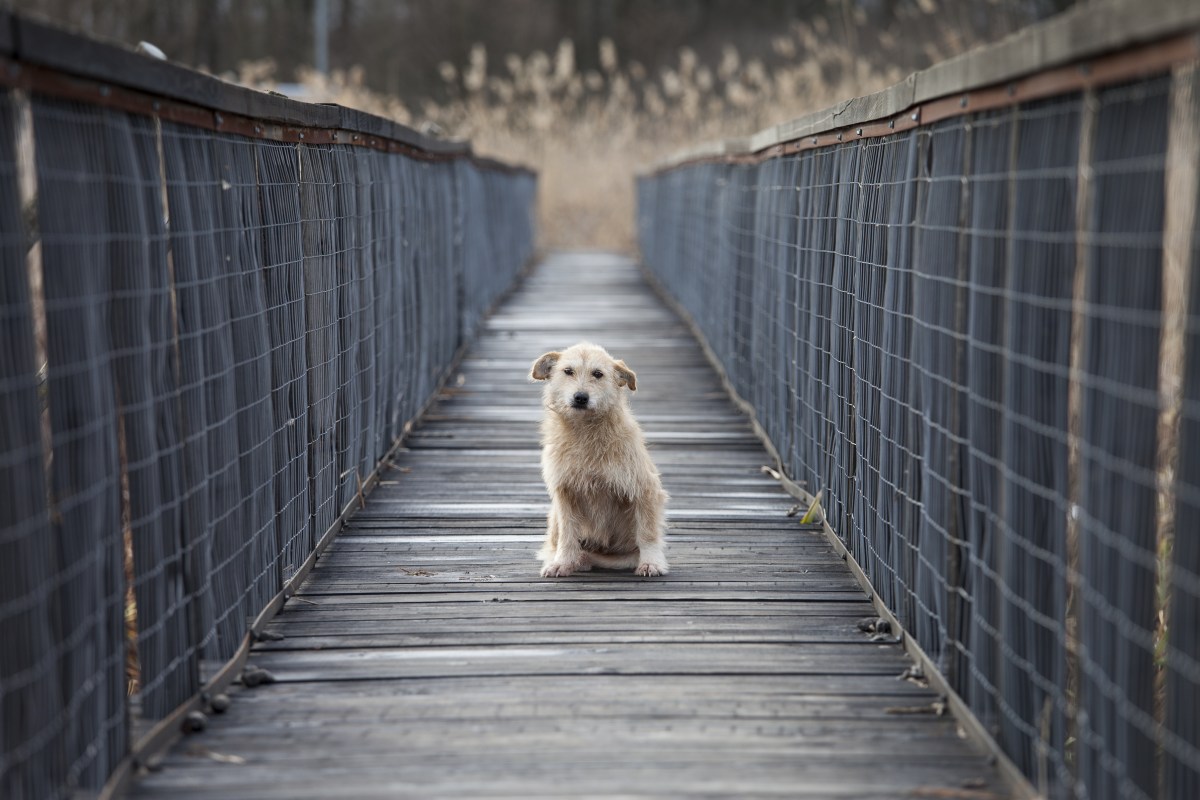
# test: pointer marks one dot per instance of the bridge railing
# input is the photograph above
(966, 311)
(218, 311)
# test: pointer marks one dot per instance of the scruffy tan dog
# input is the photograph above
(607, 503)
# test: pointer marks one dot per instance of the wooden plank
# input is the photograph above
(481, 774)
(736, 633)
(393, 663)
(482, 593)
(425, 657)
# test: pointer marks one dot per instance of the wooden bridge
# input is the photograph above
(425, 657)
(964, 309)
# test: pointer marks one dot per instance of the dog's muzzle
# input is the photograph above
(580, 400)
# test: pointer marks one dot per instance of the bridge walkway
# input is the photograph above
(425, 657)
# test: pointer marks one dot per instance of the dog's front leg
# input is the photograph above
(550, 542)
(649, 522)
(566, 556)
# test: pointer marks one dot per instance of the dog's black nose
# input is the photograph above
(580, 399)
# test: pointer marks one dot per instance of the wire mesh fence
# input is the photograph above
(208, 341)
(978, 339)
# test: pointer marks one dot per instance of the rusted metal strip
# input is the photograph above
(52, 83)
(1139, 63)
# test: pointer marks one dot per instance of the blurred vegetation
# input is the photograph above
(585, 91)
(399, 43)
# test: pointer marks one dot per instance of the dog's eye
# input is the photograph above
(597, 374)
(568, 371)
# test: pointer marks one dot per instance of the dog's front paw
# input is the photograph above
(557, 569)
(650, 570)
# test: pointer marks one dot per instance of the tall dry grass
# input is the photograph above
(587, 131)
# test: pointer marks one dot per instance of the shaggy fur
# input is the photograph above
(607, 503)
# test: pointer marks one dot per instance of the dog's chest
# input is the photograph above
(605, 519)
(590, 470)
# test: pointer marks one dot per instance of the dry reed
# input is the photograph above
(587, 132)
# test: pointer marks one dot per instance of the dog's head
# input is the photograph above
(583, 380)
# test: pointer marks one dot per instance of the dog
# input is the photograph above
(608, 507)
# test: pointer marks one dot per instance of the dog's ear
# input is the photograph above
(543, 366)
(625, 376)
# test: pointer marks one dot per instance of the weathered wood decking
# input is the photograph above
(425, 657)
